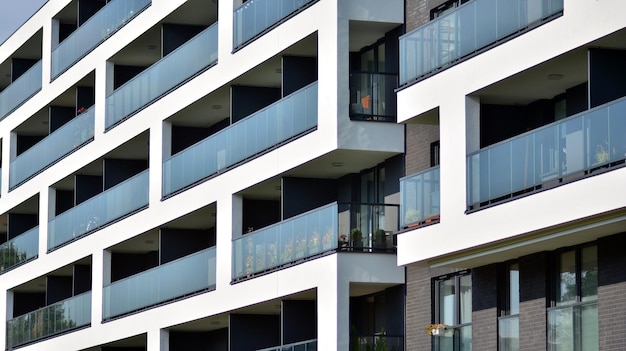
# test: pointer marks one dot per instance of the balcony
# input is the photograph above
(270, 127)
(49, 321)
(54, 147)
(97, 29)
(255, 17)
(347, 227)
(469, 29)
(559, 152)
(419, 198)
(102, 209)
(171, 71)
(188, 275)
(22, 89)
(372, 96)
(309, 345)
(19, 250)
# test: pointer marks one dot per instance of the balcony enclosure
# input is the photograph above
(259, 132)
(55, 146)
(190, 274)
(470, 28)
(255, 17)
(58, 318)
(569, 148)
(100, 210)
(419, 198)
(104, 23)
(310, 345)
(337, 226)
(19, 250)
(178, 65)
(20, 90)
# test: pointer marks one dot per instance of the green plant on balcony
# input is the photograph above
(602, 154)
(300, 247)
(412, 216)
(380, 239)
(381, 341)
(314, 242)
(272, 259)
(356, 237)
(287, 254)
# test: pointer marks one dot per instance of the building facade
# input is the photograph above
(512, 233)
(201, 175)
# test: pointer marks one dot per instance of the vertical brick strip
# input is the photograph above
(533, 301)
(485, 308)
(612, 292)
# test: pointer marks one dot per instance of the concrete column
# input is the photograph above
(158, 340)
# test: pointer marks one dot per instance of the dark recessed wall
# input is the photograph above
(253, 331)
(87, 8)
(216, 340)
(175, 35)
(85, 97)
(119, 170)
(299, 321)
(607, 76)
(58, 116)
(177, 243)
(298, 72)
(122, 74)
(126, 264)
(20, 66)
(63, 201)
(304, 194)
(86, 187)
(257, 214)
(25, 142)
(18, 223)
(26, 302)
(82, 279)
(245, 100)
(58, 288)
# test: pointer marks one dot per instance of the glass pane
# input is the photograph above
(589, 273)
(465, 338)
(589, 327)
(566, 279)
(447, 297)
(561, 330)
(513, 307)
(508, 334)
(465, 289)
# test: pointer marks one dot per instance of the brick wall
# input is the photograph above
(612, 292)
(533, 301)
(418, 140)
(418, 12)
(485, 308)
(418, 305)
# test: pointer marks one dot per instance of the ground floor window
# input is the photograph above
(573, 317)
(453, 307)
(508, 322)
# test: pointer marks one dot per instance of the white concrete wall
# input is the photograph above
(582, 22)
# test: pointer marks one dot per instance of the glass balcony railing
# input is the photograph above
(22, 89)
(419, 198)
(172, 280)
(508, 333)
(309, 345)
(166, 74)
(379, 342)
(97, 29)
(354, 227)
(261, 131)
(19, 249)
(549, 155)
(256, 16)
(372, 96)
(466, 30)
(52, 148)
(573, 327)
(48, 321)
(106, 207)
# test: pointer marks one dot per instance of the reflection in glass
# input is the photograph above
(589, 273)
(566, 288)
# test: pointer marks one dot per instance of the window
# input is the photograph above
(434, 153)
(453, 307)
(508, 323)
(445, 8)
(573, 316)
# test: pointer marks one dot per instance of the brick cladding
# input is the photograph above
(612, 292)
(418, 305)
(485, 308)
(418, 140)
(533, 301)
(417, 12)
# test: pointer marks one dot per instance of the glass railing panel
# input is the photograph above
(19, 249)
(281, 121)
(508, 333)
(187, 275)
(61, 142)
(419, 197)
(99, 27)
(163, 76)
(573, 327)
(112, 204)
(22, 89)
(309, 345)
(255, 16)
(286, 242)
(51, 320)
(571, 147)
(368, 227)
(466, 30)
(373, 97)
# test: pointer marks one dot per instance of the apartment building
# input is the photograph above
(513, 220)
(202, 175)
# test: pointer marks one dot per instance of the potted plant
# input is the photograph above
(380, 239)
(314, 243)
(357, 238)
(411, 217)
(602, 154)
